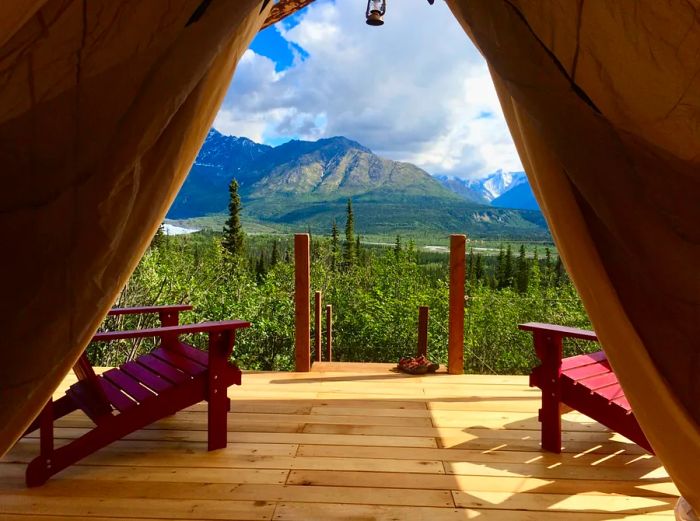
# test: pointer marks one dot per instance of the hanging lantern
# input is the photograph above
(375, 12)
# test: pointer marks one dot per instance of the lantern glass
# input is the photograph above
(377, 5)
(375, 12)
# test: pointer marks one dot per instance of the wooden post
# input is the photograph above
(329, 333)
(423, 313)
(455, 343)
(317, 325)
(302, 311)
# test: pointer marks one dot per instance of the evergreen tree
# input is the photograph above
(358, 250)
(499, 273)
(508, 267)
(535, 277)
(397, 247)
(478, 268)
(522, 271)
(547, 276)
(470, 266)
(234, 238)
(274, 256)
(559, 272)
(260, 267)
(411, 250)
(335, 246)
(159, 238)
(349, 253)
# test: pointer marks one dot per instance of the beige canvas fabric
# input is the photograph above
(104, 106)
(603, 101)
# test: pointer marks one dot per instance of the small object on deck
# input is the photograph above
(417, 365)
(122, 400)
(585, 383)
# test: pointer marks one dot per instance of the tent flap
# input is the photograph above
(603, 101)
(105, 105)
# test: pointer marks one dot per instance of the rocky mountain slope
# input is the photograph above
(303, 183)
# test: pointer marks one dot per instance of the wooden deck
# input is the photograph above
(353, 442)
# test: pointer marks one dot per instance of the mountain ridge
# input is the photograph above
(309, 182)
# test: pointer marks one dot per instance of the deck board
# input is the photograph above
(349, 441)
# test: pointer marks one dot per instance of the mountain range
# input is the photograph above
(307, 184)
(484, 190)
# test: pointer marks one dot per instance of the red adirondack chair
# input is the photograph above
(122, 400)
(585, 383)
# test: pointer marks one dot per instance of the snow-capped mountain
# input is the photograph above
(497, 184)
(486, 189)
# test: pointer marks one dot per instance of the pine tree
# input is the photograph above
(522, 271)
(478, 268)
(508, 268)
(349, 253)
(397, 247)
(411, 250)
(159, 238)
(335, 246)
(535, 276)
(260, 267)
(234, 238)
(274, 256)
(559, 272)
(498, 274)
(470, 267)
(547, 277)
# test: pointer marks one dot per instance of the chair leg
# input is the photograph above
(548, 378)
(219, 404)
(217, 414)
(40, 469)
(550, 417)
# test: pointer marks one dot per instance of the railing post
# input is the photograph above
(329, 333)
(302, 311)
(317, 325)
(455, 343)
(423, 313)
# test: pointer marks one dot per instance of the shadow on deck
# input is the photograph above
(365, 444)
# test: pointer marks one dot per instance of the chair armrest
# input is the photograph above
(170, 331)
(149, 309)
(555, 331)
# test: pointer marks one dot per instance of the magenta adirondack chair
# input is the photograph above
(122, 400)
(585, 383)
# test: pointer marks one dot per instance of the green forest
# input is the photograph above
(374, 290)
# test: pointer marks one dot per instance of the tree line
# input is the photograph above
(375, 292)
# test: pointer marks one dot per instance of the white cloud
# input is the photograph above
(415, 89)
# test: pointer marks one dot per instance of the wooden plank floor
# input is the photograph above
(352, 442)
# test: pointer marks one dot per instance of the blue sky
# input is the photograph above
(413, 90)
(270, 43)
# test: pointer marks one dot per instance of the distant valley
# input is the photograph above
(302, 184)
